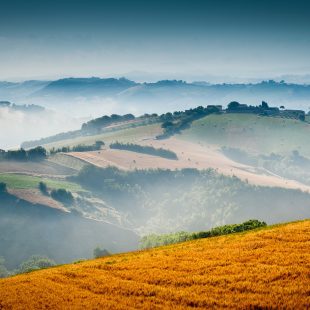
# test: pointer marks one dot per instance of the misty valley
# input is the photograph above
(154, 154)
(120, 180)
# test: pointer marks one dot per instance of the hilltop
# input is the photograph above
(267, 268)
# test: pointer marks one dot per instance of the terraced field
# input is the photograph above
(268, 268)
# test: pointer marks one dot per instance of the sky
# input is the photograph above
(47, 39)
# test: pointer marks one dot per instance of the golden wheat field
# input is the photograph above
(265, 268)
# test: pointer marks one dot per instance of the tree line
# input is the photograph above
(175, 122)
(144, 149)
(36, 154)
(78, 148)
(154, 240)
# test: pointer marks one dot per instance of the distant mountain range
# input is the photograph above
(157, 97)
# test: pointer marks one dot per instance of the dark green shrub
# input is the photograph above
(62, 195)
(98, 252)
(144, 149)
(3, 188)
(35, 263)
(43, 188)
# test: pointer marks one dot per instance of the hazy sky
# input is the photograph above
(53, 38)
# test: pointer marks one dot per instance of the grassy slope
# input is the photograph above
(123, 135)
(265, 268)
(252, 133)
(19, 181)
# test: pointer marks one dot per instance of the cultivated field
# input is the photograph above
(131, 134)
(36, 197)
(44, 168)
(26, 187)
(268, 268)
(190, 155)
(20, 181)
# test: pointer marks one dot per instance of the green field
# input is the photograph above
(127, 135)
(252, 133)
(20, 181)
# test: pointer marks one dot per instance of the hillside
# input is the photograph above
(268, 268)
(252, 133)
(28, 229)
(272, 140)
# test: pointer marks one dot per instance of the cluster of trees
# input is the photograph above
(264, 109)
(153, 240)
(35, 262)
(31, 108)
(97, 124)
(177, 121)
(163, 200)
(61, 195)
(144, 149)
(99, 252)
(292, 166)
(78, 148)
(35, 154)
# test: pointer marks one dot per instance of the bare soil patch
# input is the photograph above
(36, 197)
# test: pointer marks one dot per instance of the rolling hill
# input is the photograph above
(252, 133)
(267, 268)
(34, 229)
(159, 96)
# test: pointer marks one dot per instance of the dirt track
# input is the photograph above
(190, 155)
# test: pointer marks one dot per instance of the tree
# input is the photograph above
(233, 105)
(62, 195)
(3, 271)
(265, 105)
(19, 155)
(99, 144)
(36, 262)
(302, 117)
(98, 252)
(282, 107)
(37, 153)
(166, 124)
(3, 188)
(43, 188)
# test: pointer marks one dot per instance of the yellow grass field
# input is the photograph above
(268, 268)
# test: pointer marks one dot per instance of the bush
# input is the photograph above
(43, 188)
(98, 252)
(3, 271)
(3, 188)
(154, 240)
(62, 195)
(78, 148)
(35, 263)
(144, 149)
(36, 154)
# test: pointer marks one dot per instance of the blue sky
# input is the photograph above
(49, 39)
